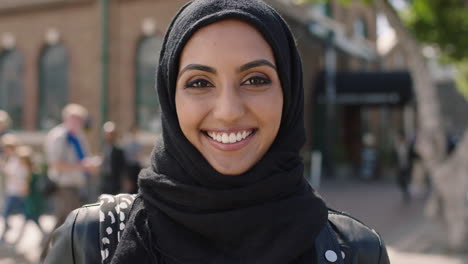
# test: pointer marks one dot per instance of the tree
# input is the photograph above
(445, 24)
(441, 23)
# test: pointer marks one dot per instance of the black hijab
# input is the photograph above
(187, 211)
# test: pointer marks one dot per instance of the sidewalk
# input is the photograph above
(409, 236)
(10, 256)
(27, 250)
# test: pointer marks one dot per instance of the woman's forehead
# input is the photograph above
(227, 24)
(225, 38)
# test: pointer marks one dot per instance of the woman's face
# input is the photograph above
(229, 98)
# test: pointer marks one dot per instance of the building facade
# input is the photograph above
(103, 53)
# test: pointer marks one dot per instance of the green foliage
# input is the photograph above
(443, 23)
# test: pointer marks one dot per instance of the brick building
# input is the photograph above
(83, 51)
(102, 54)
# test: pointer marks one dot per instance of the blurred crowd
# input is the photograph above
(62, 174)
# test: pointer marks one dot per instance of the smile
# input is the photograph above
(229, 137)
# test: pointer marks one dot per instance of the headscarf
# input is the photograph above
(190, 213)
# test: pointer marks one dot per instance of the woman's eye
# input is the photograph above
(257, 80)
(198, 83)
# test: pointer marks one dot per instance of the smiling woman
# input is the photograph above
(229, 104)
(226, 181)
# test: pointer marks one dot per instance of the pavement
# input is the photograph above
(28, 249)
(410, 237)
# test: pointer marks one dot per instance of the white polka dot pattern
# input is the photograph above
(113, 214)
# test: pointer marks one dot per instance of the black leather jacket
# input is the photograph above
(77, 240)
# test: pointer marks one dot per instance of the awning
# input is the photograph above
(368, 88)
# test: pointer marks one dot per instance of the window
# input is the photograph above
(147, 104)
(11, 86)
(53, 85)
(360, 27)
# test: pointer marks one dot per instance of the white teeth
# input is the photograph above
(232, 138)
(229, 138)
(225, 138)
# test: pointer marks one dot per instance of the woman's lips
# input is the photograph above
(230, 141)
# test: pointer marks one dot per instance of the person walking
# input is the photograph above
(404, 162)
(5, 123)
(33, 201)
(16, 177)
(66, 149)
(113, 166)
(133, 152)
(369, 158)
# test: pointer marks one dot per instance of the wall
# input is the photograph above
(78, 26)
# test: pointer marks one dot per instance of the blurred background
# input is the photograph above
(386, 88)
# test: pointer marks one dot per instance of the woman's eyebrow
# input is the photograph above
(198, 67)
(256, 63)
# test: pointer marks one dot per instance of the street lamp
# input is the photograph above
(330, 95)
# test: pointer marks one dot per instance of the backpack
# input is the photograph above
(113, 215)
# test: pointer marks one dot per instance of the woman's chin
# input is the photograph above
(230, 171)
(231, 167)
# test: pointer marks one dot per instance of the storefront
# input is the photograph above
(370, 109)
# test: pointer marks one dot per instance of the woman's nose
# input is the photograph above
(230, 106)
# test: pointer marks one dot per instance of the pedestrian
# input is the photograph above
(226, 180)
(66, 150)
(404, 162)
(369, 158)
(34, 201)
(133, 154)
(113, 163)
(15, 180)
(5, 123)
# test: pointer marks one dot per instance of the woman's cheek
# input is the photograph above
(191, 111)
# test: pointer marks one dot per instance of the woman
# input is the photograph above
(15, 181)
(226, 184)
(34, 200)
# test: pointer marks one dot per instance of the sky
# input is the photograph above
(382, 24)
(399, 4)
(385, 34)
